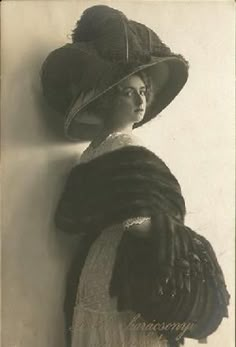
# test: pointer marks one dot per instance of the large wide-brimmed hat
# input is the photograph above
(106, 48)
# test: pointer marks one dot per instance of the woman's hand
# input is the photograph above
(140, 230)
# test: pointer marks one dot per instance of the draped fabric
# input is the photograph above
(173, 276)
(128, 182)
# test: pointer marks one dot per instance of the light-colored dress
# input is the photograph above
(96, 321)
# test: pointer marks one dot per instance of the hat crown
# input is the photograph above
(95, 22)
(115, 38)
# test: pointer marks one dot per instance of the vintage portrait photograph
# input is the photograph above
(118, 173)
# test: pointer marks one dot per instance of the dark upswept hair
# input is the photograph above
(102, 106)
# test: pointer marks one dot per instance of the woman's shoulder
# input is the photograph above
(113, 141)
(120, 138)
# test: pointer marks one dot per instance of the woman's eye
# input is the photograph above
(129, 93)
(125, 92)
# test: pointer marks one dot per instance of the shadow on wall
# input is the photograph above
(36, 130)
(36, 162)
(30, 121)
(52, 120)
(64, 155)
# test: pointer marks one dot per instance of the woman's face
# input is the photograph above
(130, 102)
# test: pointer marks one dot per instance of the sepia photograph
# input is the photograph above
(118, 173)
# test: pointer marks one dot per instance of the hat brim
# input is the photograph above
(167, 75)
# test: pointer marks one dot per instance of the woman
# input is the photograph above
(139, 270)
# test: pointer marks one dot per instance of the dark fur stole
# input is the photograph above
(173, 276)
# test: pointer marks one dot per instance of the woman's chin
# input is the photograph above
(138, 117)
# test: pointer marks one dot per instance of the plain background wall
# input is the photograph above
(194, 136)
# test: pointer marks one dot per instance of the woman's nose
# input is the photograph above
(139, 99)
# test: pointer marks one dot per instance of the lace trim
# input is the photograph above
(90, 151)
(134, 221)
(111, 142)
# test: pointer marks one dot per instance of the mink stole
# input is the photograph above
(171, 276)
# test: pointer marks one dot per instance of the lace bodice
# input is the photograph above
(112, 142)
